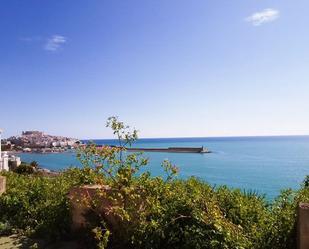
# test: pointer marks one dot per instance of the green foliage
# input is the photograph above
(279, 231)
(101, 236)
(24, 169)
(35, 204)
(142, 211)
(5, 229)
(38, 205)
(306, 182)
(185, 214)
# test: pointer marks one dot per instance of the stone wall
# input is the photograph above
(80, 201)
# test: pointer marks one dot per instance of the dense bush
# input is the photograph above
(185, 214)
(175, 214)
(38, 205)
(151, 212)
(24, 169)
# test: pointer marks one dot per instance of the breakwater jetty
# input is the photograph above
(172, 149)
(200, 150)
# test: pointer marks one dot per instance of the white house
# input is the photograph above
(4, 158)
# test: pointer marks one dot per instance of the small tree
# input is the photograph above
(121, 171)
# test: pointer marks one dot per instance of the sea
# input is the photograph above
(265, 165)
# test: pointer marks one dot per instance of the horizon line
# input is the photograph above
(232, 136)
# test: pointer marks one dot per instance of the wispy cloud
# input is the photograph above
(264, 16)
(54, 43)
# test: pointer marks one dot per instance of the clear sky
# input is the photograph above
(171, 68)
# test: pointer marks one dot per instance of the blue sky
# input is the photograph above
(171, 68)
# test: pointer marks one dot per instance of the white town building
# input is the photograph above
(4, 158)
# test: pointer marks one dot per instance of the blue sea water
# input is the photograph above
(263, 164)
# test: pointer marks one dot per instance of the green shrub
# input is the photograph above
(185, 214)
(39, 205)
(175, 213)
(306, 182)
(24, 169)
(5, 229)
(150, 212)
(35, 204)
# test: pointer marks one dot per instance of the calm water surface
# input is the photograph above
(264, 164)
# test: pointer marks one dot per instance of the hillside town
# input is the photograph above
(37, 141)
(31, 141)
